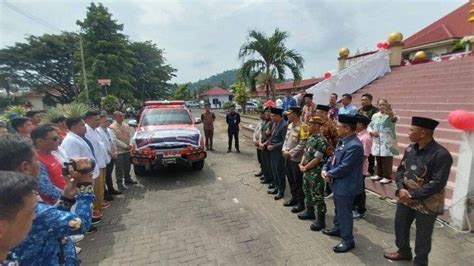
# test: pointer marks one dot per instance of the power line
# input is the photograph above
(32, 17)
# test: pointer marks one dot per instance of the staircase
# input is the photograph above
(431, 90)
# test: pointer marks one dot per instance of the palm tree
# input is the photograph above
(267, 59)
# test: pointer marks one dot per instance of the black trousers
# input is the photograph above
(259, 156)
(343, 220)
(359, 202)
(371, 164)
(266, 166)
(295, 179)
(278, 170)
(235, 135)
(404, 217)
(109, 183)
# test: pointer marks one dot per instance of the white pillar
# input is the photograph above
(464, 182)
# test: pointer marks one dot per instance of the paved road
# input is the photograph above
(222, 215)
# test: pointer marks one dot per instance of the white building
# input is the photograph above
(216, 96)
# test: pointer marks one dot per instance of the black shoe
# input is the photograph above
(238, 151)
(344, 247)
(262, 178)
(229, 151)
(319, 224)
(130, 182)
(298, 208)
(332, 232)
(272, 192)
(91, 230)
(96, 220)
(290, 203)
(271, 186)
(211, 149)
(259, 174)
(109, 198)
(265, 182)
(308, 214)
(278, 196)
(116, 192)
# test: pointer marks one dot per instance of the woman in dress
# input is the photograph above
(384, 141)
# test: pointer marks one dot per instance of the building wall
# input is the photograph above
(217, 98)
(434, 51)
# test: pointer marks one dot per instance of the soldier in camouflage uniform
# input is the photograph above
(293, 148)
(311, 165)
(329, 132)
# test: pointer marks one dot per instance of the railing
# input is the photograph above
(352, 60)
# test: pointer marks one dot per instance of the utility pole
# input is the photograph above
(84, 69)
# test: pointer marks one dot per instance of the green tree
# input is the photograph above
(151, 73)
(44, 63)
(181, 92)
(269, 56)
(107, 54)
(242, 94)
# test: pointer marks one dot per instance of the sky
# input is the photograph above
(202, 37)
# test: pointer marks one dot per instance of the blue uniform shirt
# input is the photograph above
(48, 238)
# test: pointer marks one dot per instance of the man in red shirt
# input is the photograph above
(46, 140)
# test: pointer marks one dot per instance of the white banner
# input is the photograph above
(352, 78)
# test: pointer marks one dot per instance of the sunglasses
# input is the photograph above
(56, 138)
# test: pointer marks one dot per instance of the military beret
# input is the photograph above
(424, 122)
(324, 108)
(294, 109)
(309, 95)
(315, 120)
(363, 120)
(277, 111)
(268, 108)
(348, 119)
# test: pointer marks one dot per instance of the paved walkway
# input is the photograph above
(222, 215)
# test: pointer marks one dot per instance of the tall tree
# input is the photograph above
(107, 54)
(181, 92)
(151, 73)
(270, 58)
(44, 63)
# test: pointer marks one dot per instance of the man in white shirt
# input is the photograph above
(92, 123)
(76, 145)
(108, 139)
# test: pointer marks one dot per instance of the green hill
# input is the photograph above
(224, 79)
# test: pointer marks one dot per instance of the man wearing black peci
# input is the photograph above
(421, 178)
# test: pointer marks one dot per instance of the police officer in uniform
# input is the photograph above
(421, 178)
(313, 183)
(295, 141)
(344, 170)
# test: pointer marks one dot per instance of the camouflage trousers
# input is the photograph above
(313, 188)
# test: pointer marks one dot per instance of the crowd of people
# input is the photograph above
(56, 181)
(327, 151)
(56, 178)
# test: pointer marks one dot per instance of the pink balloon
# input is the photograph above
(461, 119)
(380, 45)
(385, 45)
(327, 75)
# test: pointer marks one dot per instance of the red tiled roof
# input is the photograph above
(453, 25)
(216, 91)
(289, 84)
